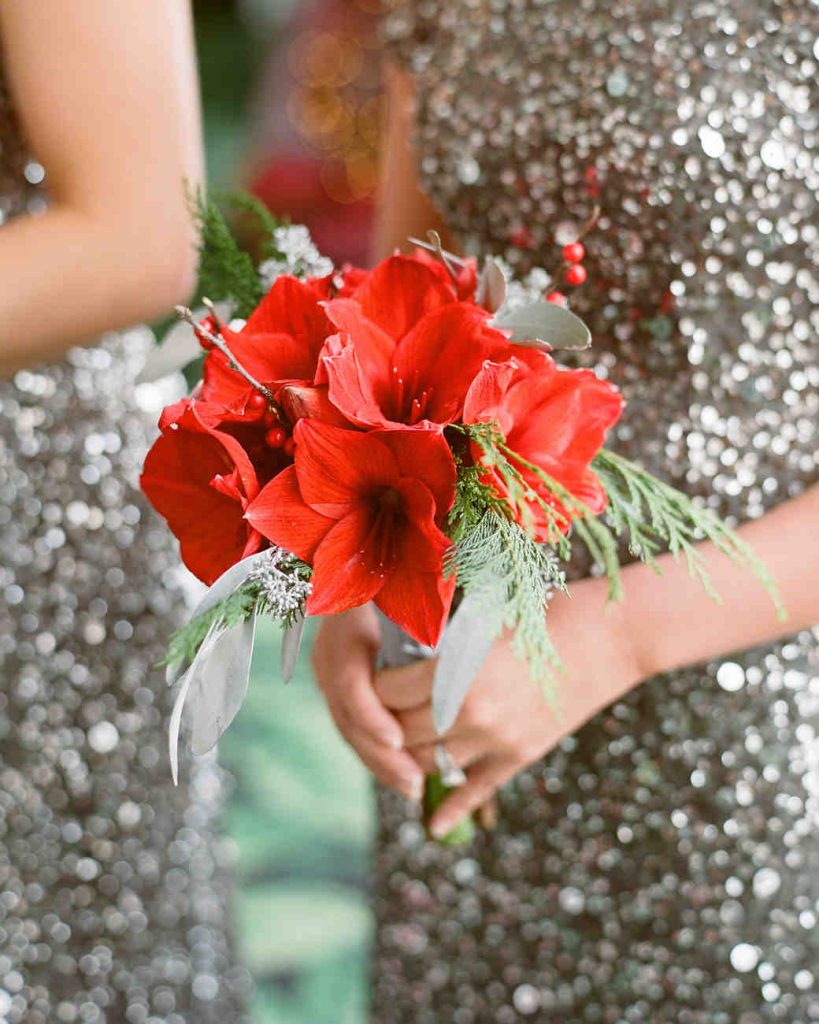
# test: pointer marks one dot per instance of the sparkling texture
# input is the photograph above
(662, 865)
(114, 896)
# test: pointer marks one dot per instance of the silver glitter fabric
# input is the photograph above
(113, 900)
(661, 865)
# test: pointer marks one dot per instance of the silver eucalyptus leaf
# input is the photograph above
(291, 645)
(465, 644)
(544, 323)
(397, 649)
(229, 581)
(175, 720)
(219, 684)
(178, 348)
(491, 290)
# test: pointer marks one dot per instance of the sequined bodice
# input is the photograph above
(690, 126)
(661, 866)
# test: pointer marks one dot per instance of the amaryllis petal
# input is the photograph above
(267, 357)
(576, 410)
(201, 481)
(484, 401)
(420, 543)
(418, 602)
(350, 389)
(293, 307)
(424, 454)
(344, 573)
(398, 292)
(337, 468)
(440, 356)
(281, 514)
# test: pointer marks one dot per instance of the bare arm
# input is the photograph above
(108, 98)
(403, 209)
(675, 623)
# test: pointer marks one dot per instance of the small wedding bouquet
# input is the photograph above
(403, 436)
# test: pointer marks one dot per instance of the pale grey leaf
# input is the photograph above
(173, 726)
(398, 649)
(291, 645)
(219, 684)
(229, 581)
(544, 323)
(175, 720)
(491, 290)
(465, 644)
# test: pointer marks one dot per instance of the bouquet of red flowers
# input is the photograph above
(400, 435)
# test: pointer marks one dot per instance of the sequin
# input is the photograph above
(663, 864)
(114, 894)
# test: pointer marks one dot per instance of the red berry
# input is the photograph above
(521, 237)
(558, 298)
(275, 437)
(576, 274)
(574, 252)
(257, 402)
(289, 446)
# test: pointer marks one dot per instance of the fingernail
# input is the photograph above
(396, 742)
(441, 828)
(414, 787)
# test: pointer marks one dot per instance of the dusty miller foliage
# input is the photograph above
(279, 588)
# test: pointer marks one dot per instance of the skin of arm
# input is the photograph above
(665, 622)
(108, 99)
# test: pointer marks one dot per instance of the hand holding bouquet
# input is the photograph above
(401, 436)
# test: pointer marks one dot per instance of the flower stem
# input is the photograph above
(435, 792)
(185, 314)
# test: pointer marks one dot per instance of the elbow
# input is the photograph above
(148, 268)
(169, 275)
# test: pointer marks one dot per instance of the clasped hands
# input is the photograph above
(505, 724)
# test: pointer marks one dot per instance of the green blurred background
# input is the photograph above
(301, 811)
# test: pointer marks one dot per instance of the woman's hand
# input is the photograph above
(344, 657)
(506, 723)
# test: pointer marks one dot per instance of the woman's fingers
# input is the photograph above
(396, 769)
(344, 663)
(405, 687)
(417, 726)
(482, 781)
(464, 751)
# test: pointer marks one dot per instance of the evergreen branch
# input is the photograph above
(254, 206)
(225, 270)
(655, 514)
(512, 576)
(227, 613)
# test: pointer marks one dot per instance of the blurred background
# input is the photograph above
(291, 106)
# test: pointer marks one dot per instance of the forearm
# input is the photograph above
(676, 623)
(66, 278)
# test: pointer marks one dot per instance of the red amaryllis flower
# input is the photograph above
(365, 510)
(406, 351)
(465, 281)
(555, 419)
(280, 342)
(201, 481)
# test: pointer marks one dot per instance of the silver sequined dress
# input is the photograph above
(662, 865)
(113, 902)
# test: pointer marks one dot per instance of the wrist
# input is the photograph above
(642, 620)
